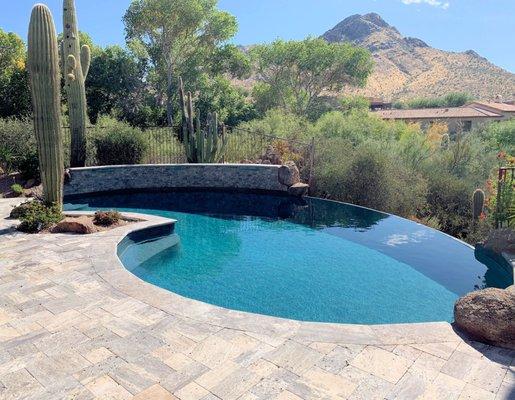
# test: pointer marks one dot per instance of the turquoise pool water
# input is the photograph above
(313, 261)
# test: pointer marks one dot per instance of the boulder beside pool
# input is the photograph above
(488, 316)
(289, 174)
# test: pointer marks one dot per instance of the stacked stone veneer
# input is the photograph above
(174, 176)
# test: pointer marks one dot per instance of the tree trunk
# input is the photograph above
(169, 94)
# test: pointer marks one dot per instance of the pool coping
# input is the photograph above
(110, 268)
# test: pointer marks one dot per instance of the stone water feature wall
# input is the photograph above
(241, 177)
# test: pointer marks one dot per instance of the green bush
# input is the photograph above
(279, 123)
(17, 140)
(119, 144)
(501, 135)
(19, 211)
(455, 99)
(37, 216)
(107, 218)
(17, 190)
(368, 175)
(28, 166)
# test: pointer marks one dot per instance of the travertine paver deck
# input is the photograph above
(74, 324)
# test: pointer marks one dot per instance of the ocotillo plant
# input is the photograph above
(45, 84)
(201, 145)
(478, 204)
(76, 62)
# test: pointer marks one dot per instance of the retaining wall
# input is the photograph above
(240, 177)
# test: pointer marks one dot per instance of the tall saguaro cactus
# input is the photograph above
(76, 62)
(45, 84)
(202, 146)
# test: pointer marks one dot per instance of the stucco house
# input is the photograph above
(463, 118)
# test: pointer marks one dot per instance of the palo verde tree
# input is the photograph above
(176, 34)
(294, 74)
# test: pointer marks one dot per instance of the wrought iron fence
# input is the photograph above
(243, 146)
(505, 200)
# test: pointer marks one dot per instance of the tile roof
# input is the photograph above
(437, 113)
(503, 107)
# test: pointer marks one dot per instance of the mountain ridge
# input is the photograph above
(407, 67)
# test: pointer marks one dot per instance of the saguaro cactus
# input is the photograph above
(76, 62)
(45, 84)
(202, 146)
(478, 204)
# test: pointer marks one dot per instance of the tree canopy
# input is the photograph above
(294, 74)
(14, 86)
(182, 38)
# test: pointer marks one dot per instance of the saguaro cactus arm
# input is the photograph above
(85, 60)
(45, 84)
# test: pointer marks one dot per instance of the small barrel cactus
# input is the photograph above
(201, 145)
(478, 204)
(45, 84)
(76, 61)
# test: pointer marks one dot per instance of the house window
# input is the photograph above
(467, 126)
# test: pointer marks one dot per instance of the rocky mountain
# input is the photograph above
(407, 67)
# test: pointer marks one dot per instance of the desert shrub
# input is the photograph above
(117, 143)
(455, 99)
(352, 103)
(448, 203)
(36, 216)
(17, 140)
(279, 123)
(501, 135)
(17, 190)
(369, 175)
(20, 210)
(358, 126)
(106, 218)
(28, 165)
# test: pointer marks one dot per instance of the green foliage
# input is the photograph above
(504, 208)
(116, 81)
(229, 102)
(369, 175)
(181, 38)
(107, 218)
(36, 216)
(391, 166)
(16, 142)
(120, 144)
(28, 166)
(279, 123)
(296, 73)
(358, 125)
(454, 99)
(502, 135)
(14, 84)
(17, 190)
(353, 103)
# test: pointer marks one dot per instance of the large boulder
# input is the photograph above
(501, 241)
(271, 156)
(289, 174)
(298, 190)
(488, 316)
(82, 225)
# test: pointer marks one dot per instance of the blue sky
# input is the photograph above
(487, 27)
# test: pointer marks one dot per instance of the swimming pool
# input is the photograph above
(309, 260)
